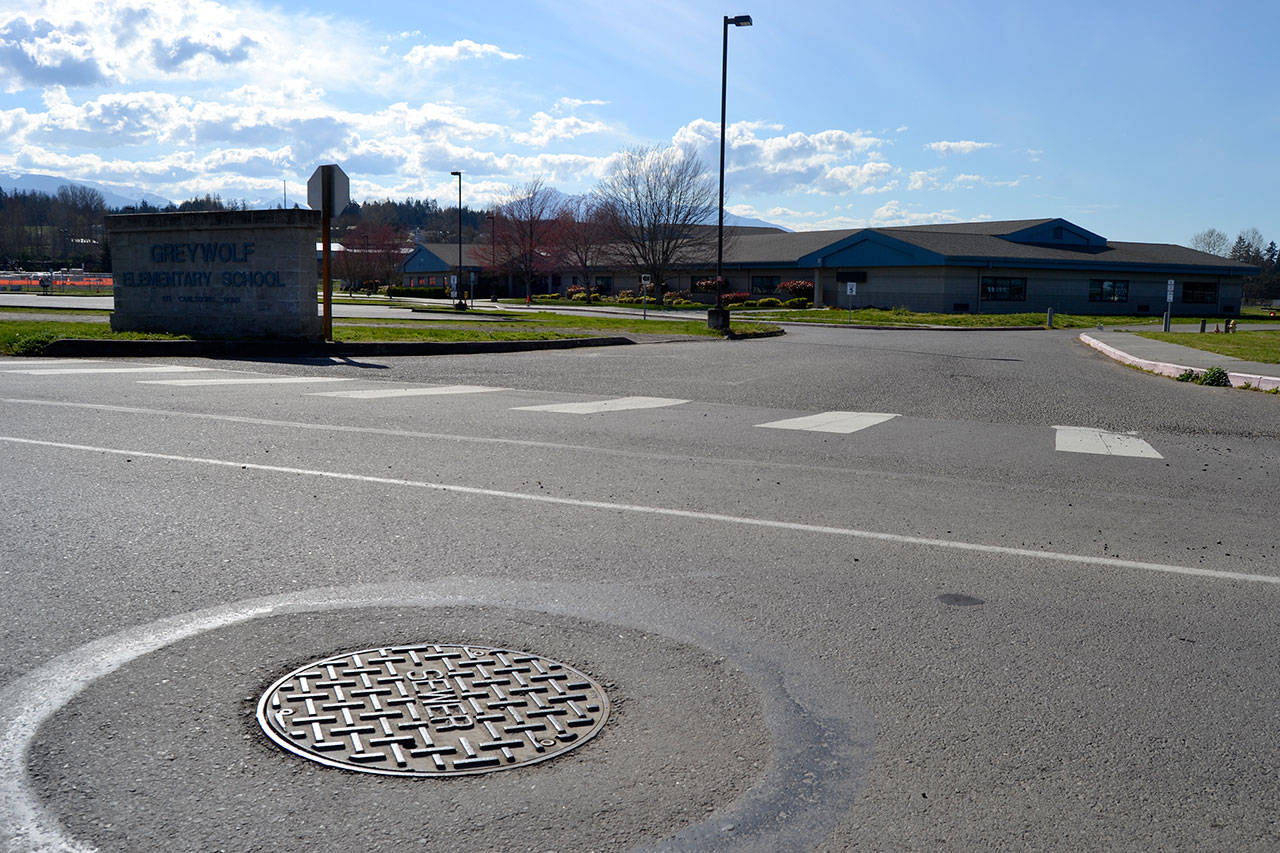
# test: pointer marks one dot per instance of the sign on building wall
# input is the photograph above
(249, 273)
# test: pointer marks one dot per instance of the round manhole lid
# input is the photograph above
(432, 710)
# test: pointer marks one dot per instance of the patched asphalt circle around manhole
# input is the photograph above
(432, 710)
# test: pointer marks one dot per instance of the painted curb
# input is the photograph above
(1164, 368)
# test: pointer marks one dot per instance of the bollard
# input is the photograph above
(1049, 322)
(1202, 322)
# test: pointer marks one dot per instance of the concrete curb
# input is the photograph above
(82, 347)
(1165, 368)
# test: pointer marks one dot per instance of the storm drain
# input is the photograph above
(432, 710)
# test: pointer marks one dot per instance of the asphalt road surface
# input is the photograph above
(842, 589)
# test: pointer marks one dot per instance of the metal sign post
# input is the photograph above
(645, 278)
(1168, 311)
(327, 190)
(851, 290)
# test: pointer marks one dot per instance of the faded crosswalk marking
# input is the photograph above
(1071, 439)
(839, 422)
(616, 405)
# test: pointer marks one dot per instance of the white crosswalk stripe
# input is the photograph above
(616, 405)
(69, 371)
(838, 422)
(246, 380)
(1071, 439)
(379, 393)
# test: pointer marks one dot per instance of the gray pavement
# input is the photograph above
(941, 631)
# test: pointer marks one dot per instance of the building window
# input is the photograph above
(1102, 290)
(604, 284)
(767, 284)
(1001, 289)
(1199, 293)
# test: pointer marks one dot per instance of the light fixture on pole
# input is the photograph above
(718, 317)
(459, 176)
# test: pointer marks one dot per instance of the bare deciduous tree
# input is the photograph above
(656, 202)
(1210, 240)
(524, 239)
(583, 235)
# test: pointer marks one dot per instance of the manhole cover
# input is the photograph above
(432, 710)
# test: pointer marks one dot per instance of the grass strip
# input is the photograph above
(1263, 345)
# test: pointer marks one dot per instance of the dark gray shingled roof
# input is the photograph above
(974, 241)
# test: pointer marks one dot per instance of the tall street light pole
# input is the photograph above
(718, 318)
(459, 176)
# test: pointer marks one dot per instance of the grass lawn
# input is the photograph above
(1261, 346)
(28, 337)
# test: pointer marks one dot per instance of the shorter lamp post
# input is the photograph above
(493, 254)
(460, 300)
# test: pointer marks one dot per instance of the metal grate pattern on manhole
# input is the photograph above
(432, 710)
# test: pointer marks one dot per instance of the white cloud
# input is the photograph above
(40, 52)
(894, 213)
(962, 147)
(573, 103)
(432, 54)
(763, 159)
(545, 128)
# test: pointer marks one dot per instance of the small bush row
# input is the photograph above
(418, 292)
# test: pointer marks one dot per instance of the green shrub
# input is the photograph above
(1187, 376)
(769, 302)
(32, 344)
(1214, 376)
(798, 302)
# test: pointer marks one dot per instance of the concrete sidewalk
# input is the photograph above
(1169, 359)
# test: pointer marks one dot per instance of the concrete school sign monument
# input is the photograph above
(225, 273)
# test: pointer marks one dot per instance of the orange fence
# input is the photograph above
(11, 281)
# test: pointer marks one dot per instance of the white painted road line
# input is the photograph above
(841, 422)
(67, 371)
(1071, 439)
(49, 362)
(669, 512)
(379, 393)
(246, 380)
(616, 405)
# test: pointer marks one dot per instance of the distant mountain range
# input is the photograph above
(114, 196)
(734, 219)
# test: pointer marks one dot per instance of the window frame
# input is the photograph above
(1015, 288)
(1098, 290)
(769, 288)
(1206, 292)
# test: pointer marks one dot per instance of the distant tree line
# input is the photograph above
(649, 215)
(1250, 247)
(40, 231)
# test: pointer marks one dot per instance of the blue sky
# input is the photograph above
(1138, 120)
